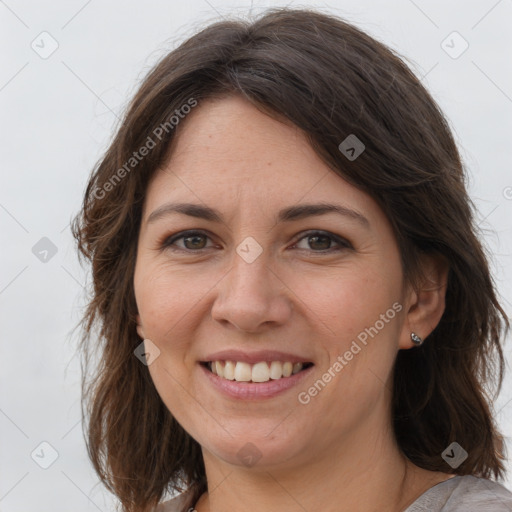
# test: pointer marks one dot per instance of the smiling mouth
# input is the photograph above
(260, 372)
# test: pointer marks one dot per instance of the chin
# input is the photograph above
(255, 452)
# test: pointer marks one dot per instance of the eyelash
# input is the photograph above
(169, 241)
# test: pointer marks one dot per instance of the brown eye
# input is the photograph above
(320, 241)
(196, 241)
(192, 241)
(317, 241)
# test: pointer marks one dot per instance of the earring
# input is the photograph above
(416, 339)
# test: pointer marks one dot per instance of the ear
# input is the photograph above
(140, 331)
(425, 304)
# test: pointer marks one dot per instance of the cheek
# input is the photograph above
(169, 303)
(166, 297)
(360, 312)
(345, 303)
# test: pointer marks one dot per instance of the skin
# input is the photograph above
(338, 452)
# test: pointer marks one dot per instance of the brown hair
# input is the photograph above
(331, 80)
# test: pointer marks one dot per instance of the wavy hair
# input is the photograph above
(330, 79)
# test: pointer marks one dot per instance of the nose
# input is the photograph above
(252, 296)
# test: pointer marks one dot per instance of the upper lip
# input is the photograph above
(255, 357)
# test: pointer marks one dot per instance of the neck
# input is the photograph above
(363, 473)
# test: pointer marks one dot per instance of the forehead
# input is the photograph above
(226, 150)
(233, 137)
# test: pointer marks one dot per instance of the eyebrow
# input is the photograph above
(289, 214)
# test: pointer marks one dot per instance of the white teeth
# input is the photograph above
(276, 370)
(219, 368)
(243, 372)
(229, 370)
(259, 372)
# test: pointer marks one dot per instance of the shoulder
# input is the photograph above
(464, 494)
(180, 503)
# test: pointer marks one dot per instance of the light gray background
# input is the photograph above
(58, 115)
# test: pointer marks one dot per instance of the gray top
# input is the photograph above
(464, 494)
(458, 494)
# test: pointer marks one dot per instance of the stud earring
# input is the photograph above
(416, 339)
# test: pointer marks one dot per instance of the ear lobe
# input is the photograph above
(427, 302)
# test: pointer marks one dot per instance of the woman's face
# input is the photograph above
(260, 288)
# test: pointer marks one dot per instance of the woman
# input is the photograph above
(295, 310)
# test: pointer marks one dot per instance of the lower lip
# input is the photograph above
(254, 390)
